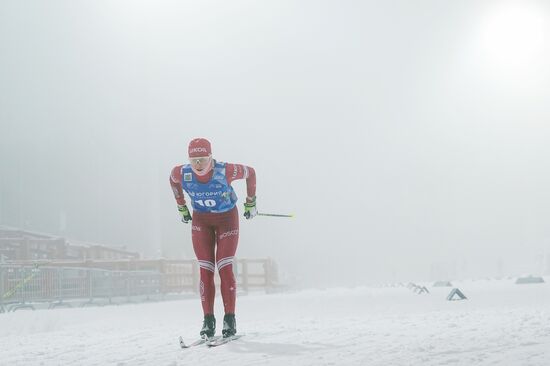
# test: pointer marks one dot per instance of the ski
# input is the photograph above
(220, 340)
(198, 342)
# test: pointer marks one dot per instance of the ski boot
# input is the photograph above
(229, 325)
(208, 326)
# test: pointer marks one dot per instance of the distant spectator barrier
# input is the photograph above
(22, 284)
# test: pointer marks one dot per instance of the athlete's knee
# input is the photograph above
(225, 262)
(206, 269)
(225, 268)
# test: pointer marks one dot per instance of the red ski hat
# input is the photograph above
(199, 147)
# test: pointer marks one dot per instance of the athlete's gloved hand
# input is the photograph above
(250, 208)
(184, 213)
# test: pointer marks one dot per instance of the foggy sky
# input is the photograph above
(404, 136)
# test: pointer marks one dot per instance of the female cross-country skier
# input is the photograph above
(215, 224)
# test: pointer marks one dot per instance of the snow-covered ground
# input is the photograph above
(500, 324)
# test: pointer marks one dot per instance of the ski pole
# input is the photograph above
(274, 215)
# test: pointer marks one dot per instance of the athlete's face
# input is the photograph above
(201, 165)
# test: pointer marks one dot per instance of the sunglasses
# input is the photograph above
(201, 160)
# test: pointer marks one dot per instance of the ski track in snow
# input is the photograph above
(500, 324)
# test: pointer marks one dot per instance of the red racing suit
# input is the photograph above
(215, 237)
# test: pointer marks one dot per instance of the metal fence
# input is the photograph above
(63, 283)
(24, 286)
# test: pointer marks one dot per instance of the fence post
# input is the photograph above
(162, 268)
(23, 284)
(2, 310)
(271, 272)
(267, 273)
(90, 284)
(127, 282)
(59, 284)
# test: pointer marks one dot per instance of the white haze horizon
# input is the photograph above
(410, 140)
